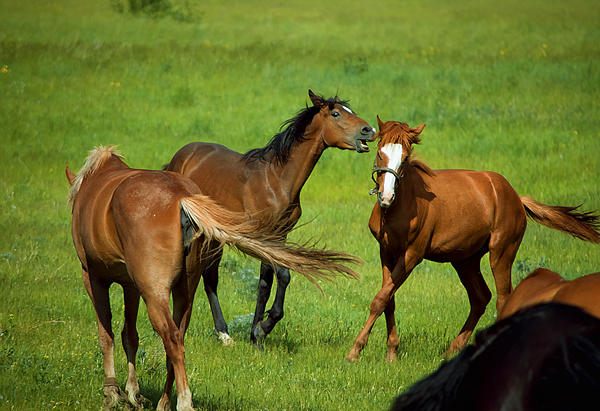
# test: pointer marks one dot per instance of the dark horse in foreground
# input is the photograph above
(543, 285)
(152, 232)
(454, 216)
(546, 357)
(267, 181)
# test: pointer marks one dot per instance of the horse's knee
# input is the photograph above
(276, 314)
(283, 277)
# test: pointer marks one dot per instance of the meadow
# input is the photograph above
(507, 86)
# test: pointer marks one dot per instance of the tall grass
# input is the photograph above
(511, 87)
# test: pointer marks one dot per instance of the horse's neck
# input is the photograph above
(299, 166)
(412, 181)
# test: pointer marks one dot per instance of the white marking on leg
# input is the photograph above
(225, 338)
(184, 400)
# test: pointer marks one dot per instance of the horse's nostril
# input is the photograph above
(367, 130)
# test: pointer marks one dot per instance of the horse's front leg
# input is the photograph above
(377, 307)
(392, 280)
(392, 333)
(264, 291)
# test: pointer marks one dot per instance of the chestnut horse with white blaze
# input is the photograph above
(267, 181)
(454, 216)
(543, 286)
(152, 232)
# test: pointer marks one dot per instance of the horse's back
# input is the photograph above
(464, 209)
(583, 292)
(538, 287)
(202, 156)
(216, 169)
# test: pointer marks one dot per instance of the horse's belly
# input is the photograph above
(457, 247)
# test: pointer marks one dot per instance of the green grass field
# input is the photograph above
(511, 87)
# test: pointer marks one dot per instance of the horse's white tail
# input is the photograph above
(217, 227)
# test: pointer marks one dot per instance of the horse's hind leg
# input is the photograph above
(211, 281)
(98, 291)
(157, 302)
(263, 328)
(502, 257)
(130, 340)
(469, 272)
(172, 331)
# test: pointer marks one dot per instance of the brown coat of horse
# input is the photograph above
(543, 285)
(268, 181)
(454, 216)
(152, 232)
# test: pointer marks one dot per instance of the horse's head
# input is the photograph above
(339, 126)
(393, 151)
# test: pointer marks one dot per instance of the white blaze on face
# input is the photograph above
(394, 154)
(347, 109)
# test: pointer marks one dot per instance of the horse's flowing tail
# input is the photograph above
(584, 225)
(216, 227)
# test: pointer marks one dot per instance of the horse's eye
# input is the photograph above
(335, 114)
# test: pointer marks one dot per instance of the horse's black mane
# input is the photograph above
(290, 135)
(565, 377)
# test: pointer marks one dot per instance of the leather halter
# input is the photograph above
(376, 168)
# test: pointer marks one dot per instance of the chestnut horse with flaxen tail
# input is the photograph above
(454, 216)
(152, 232)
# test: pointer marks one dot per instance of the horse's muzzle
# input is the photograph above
(367, 134)
(385, 202)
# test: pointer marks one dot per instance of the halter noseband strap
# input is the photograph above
(375, 169)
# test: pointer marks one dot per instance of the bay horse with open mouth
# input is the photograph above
(152, 232)
(454, 216)
(268, 181)
(543, 285)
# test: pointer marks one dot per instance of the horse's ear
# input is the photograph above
(316, 100)
(379, 123)
(415, 137)
(70, 175)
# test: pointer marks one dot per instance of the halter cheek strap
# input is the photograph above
(375, 169)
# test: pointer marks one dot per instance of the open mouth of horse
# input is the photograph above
(361, 145)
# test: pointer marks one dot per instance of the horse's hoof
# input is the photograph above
(164, 404)
(258, 334)
(352, 357)
(225, 338)
(113, 396)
